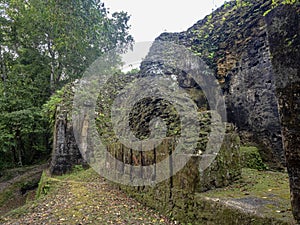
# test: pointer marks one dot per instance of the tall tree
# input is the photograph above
(45, 44)
(70, 34)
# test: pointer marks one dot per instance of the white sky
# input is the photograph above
(150, 18)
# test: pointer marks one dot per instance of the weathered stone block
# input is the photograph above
(224, 169)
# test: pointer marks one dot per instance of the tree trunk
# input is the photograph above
(19, 147)
(52, 65)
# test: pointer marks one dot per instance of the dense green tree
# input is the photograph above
(45, 44)
(70, 34)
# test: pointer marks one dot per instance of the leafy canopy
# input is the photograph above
(45, 44)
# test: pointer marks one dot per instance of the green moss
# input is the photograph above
(12, 192)
(201, 208)
(267, 12)
(251, 158)
(17, 184)
(276, 3)
(257, 183)
(78, 174)
(77, 168)
(82, 197)
(61, 98)
(43, 186)
(8, 174)
(272, 187)
(5, 196)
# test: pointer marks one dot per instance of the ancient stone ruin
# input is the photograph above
(65, 152)
(233, 41)
(284, 38)
(256, 65)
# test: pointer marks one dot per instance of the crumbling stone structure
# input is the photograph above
(254, 62)
(233, 41)
(284, 38)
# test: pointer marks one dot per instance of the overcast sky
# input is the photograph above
(149, 18)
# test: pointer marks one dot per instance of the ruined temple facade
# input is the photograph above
(284, 38)
(65, 152)
(257, 66)
(233, 41)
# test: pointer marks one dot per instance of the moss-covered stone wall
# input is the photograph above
(233, 42)
(284, 37)
(175, 196)
(65, 153)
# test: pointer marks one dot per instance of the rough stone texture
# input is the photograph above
(223, 170)
(178, 191)
(233, 42)
(65, 153)
(220, 206)
(284, 37)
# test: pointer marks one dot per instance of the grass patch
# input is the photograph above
(270, 187)
(79, 174)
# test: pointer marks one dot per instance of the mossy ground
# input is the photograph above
(82, 197)
(267, 191)
(16, 185)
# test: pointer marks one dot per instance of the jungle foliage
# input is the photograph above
(43, 46)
